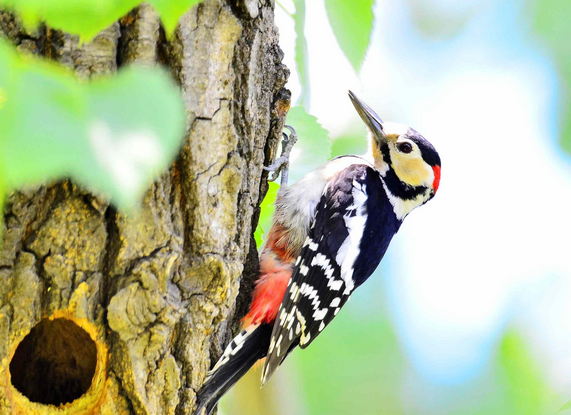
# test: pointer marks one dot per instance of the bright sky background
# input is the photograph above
(492, 249)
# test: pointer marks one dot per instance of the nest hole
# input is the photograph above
(55, 363)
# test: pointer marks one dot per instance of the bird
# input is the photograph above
(330, 232)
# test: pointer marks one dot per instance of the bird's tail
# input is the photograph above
(243, 351)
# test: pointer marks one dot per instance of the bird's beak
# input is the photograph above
(370, 117)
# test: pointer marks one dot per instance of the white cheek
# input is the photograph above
(429, 176)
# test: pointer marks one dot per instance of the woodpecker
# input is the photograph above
(330, 231)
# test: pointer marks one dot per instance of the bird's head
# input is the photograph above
(408, 163)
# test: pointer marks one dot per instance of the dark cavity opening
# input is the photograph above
(55, 363)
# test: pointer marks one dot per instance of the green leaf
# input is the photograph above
(313, 147)
(113, 135)
(352, 24)
(266, 214)
(301, 52)
(2, 201)
(552, 24)
(171, 12)
(526, 386)
(259, 236)
(135, 126)
(85, 18)
(353, 143)
(39, 132)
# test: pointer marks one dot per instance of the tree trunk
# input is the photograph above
(105, 313)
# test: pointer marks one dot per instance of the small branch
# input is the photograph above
(284, 9)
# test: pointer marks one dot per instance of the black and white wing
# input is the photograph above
(350, 233)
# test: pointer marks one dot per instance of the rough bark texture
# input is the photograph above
(124, 315)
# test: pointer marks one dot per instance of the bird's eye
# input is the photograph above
(405, 147)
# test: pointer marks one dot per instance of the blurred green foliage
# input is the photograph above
(526, 389)
(552, 24)
(358, 366)
(565, 407)
(354, 143)
(171, 11)
(86, 18)
(266, 213)
(353, 369)
(439, 20)
(111, 135)
(313, 147)
(81, 17)
(301, 52)
(352, 24)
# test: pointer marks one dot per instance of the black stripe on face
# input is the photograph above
(400, 189)
(386, 153)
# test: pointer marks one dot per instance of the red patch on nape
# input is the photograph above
(436, 181)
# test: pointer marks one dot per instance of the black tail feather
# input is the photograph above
(240, 355)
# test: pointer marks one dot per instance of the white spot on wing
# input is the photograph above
(320, 314)
(294, 291)
(279, 344)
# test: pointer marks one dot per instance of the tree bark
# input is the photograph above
(113, 314)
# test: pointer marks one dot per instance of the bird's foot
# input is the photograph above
(281, 164)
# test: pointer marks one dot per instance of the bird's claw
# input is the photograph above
(281, 164)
